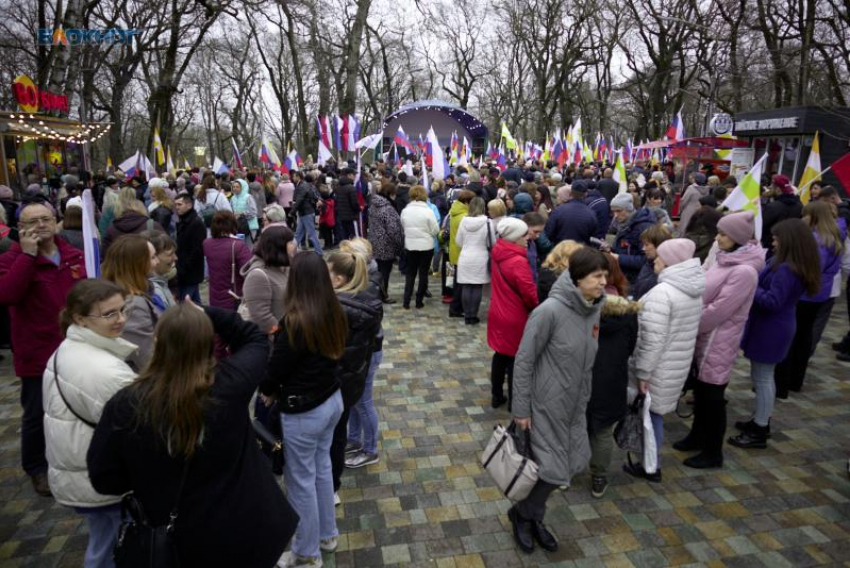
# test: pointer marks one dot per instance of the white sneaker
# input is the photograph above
(290, 560)
(361, 459)
(329, 544)
(337, 500)
(351, 449)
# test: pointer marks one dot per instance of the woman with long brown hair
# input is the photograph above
(180, 439)
(301, 374)
(793, 270)
(791, 371)
(128, 263)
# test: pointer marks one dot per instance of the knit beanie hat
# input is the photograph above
(675, 251)
(623, 201)
(512, 229)
(740, 227)
(783, 183)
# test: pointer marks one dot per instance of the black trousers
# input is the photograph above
(418, 264)
(33, 457)
(791, 371)
(821, 319)
(502, 365)
(456, 307)
(709, 427)
(533, 507)
(385, 267)
(347, 229)
(338, 448)
(471, 299)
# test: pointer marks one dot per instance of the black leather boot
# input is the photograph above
(523, 531)
(543, 537)
(754, 437)
(704, 460)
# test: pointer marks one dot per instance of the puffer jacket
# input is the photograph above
(130, 223)
(730, 285)
(552, 379)
(385, 231)
(91, 369)
(513, 296)
(263, 288)
(627, 244)
(830, 265)
(364, 312)
(669, 323)
(420, 226)
(456, 214)
(472, 237)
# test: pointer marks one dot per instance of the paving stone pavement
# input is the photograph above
(428, 502)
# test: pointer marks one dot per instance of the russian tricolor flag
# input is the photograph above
(676, 130)
(402, 140)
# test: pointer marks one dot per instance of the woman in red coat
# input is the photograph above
(513, 296)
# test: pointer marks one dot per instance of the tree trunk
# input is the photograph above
(348, 104)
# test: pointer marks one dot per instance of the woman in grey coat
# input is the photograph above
(552, 380)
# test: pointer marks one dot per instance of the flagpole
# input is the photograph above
(817, 178)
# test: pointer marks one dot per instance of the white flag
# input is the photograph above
(324, 154)
(91, 237)
(369, 141)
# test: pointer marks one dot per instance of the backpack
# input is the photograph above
(208, 212)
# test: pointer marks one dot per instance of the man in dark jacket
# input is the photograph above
(191, 233)
(491, 191)
(599, 205)
(347, 206)
(402, 193)
(785, 205)
(513, 173)
(607, 186)
(572, 220)
(35, 278)
(628, 247)
(305, 203)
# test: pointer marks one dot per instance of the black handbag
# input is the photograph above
(270, 437)
(142, 545)
(629, 430)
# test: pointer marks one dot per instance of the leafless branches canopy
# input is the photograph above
(208, 71)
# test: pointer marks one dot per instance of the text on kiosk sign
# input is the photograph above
(767, 123)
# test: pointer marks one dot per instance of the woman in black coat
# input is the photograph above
(618, 329)
(188, 415)
(363, 310)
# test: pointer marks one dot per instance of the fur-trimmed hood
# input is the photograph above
(619, 306)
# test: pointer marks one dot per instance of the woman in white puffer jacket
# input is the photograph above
(668, 326)
(81, 376)
(476, 235)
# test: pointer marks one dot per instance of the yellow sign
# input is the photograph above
(26, 93)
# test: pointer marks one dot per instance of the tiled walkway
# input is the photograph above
(428, 503)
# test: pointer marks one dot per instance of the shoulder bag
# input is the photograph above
(61, 394)
(141, 545)
(509, 461)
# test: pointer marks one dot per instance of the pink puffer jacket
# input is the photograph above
(730, 284)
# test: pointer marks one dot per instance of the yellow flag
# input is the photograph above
(157, 146)
(510, 142)
(812, 172)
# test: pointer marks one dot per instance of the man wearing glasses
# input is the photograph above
(35, 278)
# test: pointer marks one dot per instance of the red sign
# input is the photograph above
(31, 99)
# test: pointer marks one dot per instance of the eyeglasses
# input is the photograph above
(37, 221)
(115, 314)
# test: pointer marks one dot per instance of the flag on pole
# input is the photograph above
(841, 169)
(353, 130)
(426, 183)
(237, 157)
(186, 164)
(169, 162)
(336, 130)
(510, 142)
(402, 140)
(158, 148)
(91, 237)
(439, 167)
(131, 165)
(324, 131)
(812, 173)
(324, 153)
(219, 167)
(370, 141)
(747, 194)
(676, 130)
(620, 173)
(109, 165)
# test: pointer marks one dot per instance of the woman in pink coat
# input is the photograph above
(513, 296)
(730, 284)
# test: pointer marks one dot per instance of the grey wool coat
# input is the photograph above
(553, 373)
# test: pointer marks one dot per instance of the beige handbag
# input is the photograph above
(513, 470)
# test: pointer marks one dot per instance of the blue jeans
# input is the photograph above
(364, 417)
(308, 223)
(103, 532)
(192, 291)
(307, 473)
(765, 386)
(658, 430)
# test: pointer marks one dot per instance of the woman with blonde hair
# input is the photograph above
(420, 228)
(557, 261)
(362, 446)
(128, 263)
(496, 210)
(363, 309)
(161, 208)
(131, 218)
(180, 439)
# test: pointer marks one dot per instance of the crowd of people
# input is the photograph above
(134, 382)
